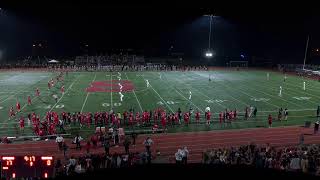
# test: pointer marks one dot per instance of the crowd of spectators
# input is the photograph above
(303, 158)
(92, 162)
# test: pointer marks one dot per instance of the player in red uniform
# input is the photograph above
(138, 118)
(18, 106)
(155, 128)
(49, 85)
(221, 117)
(197, 116)
(186, 118)
(21, 122)
(62, 89)
(270, 120)
(208, 117)
(131, 118)
(37, 92)
(235, 114)
(163, 121)
(29, 100)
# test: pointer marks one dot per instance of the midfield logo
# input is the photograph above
(111, 86)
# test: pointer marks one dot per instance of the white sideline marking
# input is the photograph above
(64, 93)
(159, 96)
(185, 97)
(85, 101)
(135, 96)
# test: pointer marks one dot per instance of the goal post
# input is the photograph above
(243, 64)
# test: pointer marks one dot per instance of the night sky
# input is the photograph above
(64, 29)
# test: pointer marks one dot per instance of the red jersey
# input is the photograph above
(49, 85)
(186, 118)
(131, 118)
(270, 119)
(197, 116)
(163, 121)
(29, 100)
(37, 92)
(62, 89)
(21, 122)
(18, 106)
(138, 117)
(208, 116)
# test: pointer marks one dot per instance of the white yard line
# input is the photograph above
(176, 89)
(159, 96)
(64, 93)
(85, 101)
(240, 90)
(135, 96)
(17, 92)
(293, 91)
(203, 93)
(226, 88)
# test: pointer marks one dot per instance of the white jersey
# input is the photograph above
(207, 109)
(304, 86)
(280, 91)
(148, 84)
(190, 94)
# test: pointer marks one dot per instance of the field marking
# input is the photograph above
(276, 97)
(200, 77)
(85, 101)
(64, 93)
(176, 89)
(183, 74)
(159, 96)
(6, 121)
(241, 90)
(23, 90)
(135, 95)
(293, 90)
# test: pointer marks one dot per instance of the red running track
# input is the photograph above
(167, 144)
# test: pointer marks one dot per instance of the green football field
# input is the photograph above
(169, 90)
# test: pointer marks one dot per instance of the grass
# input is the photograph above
(228, 89)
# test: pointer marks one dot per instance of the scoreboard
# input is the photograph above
(26, 166)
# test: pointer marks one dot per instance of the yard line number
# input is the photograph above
(108, 104)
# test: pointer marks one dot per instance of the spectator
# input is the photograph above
(88, 146)
(304, 164)
(107, 147)
(316, 127)
(295, 164)
(65, 148)
(59, 140)
(126, 144)
(301, 139)
(134, 137)
(116, 137)
(178, 157)
(77, 141)
(147, 143)
(184, 154)
(58, 168)
(78, 169)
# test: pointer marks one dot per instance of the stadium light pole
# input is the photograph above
(209, 52)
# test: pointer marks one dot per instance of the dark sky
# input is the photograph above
(63, 28)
